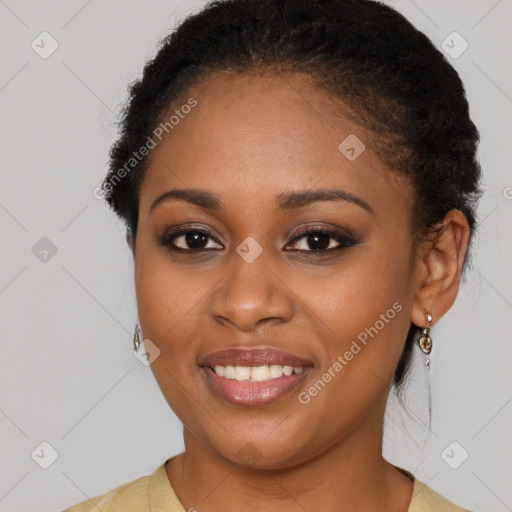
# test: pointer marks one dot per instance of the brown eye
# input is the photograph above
(322, 240)
(187, 240)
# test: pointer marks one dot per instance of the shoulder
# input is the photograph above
(129, 497)
(425, 499)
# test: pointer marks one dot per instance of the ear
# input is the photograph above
(439, 268)
(130, 241)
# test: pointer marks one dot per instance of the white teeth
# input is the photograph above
(276, 371)
(287, 370)
(242, 373)
(260, 373)
(229, 372)
(256, 373)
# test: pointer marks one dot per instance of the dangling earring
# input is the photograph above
(425, 341)
(136, 338)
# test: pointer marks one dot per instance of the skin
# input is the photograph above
(250, 138)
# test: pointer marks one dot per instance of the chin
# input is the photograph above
(258, 452)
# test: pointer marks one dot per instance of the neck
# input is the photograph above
(349, 475)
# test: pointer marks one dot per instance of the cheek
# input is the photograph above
(167, 293)
(166, 297)
(361, 309)
(356, 292)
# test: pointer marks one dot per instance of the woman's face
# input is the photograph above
(262, 296)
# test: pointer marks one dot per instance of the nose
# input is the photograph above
(250, 295)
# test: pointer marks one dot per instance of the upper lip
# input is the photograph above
(253, 357)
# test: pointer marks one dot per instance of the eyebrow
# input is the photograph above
(285, 201)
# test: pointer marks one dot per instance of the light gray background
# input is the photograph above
(68, 374)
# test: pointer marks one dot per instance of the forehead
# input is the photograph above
(250, 137)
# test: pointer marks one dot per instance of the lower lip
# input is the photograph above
(254, 393)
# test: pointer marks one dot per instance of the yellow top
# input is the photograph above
(154, 493)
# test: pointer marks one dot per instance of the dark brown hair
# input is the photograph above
(362, 52)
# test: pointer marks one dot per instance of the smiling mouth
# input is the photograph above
(254, 377)
(263, 373)
(251, 392)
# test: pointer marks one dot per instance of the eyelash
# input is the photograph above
(344, 241)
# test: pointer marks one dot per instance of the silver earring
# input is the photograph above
(425, 341)
(136, 338)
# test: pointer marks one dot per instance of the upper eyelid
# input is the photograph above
(327, 231)
(301, 234)
(182, 232)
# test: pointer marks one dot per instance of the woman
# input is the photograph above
(299, 195)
